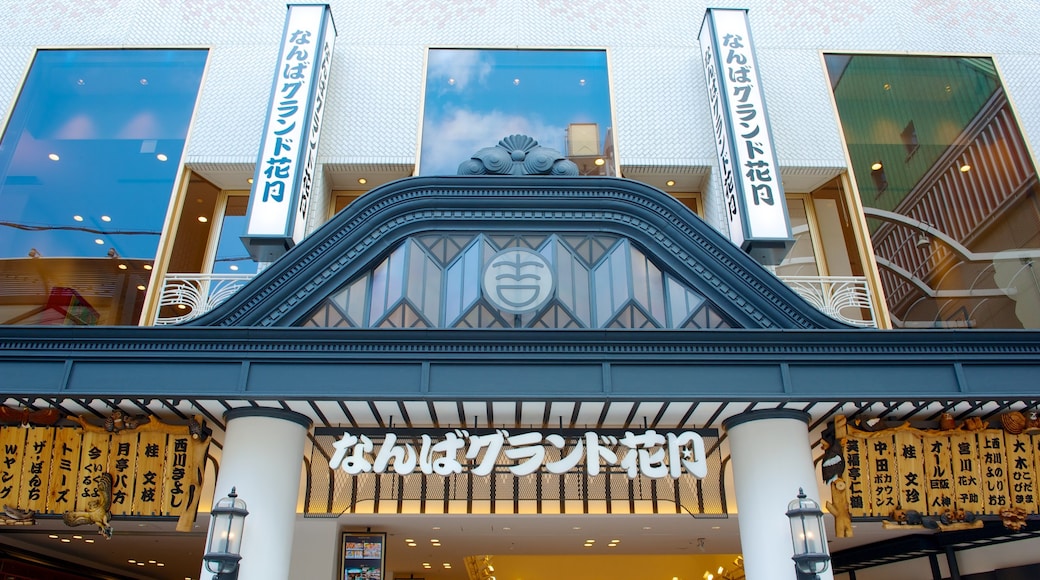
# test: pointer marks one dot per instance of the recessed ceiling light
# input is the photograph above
(203, 219)
(161, 157)
(144, 82)
(965, 168)
(234, 268)
(80, 82)
(140, 563)
(131, 561)
(182, 307)
(160, 564)
(151, 561)
(362, 180)
(647, 527)
(582, 82)
(507, 529)
(887, 86)
(147, 266)
(89, 541)
(106, 218)
(451, 81)
(99, 241)
(716, 527)
(140, 287)
(599, 161)
(78, 218)
(876, 166)
(53, 157)
(516, 82)
(670, 182)
(250, 180)
(53, 536)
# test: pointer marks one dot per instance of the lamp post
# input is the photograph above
(808, 536)
(227, 520)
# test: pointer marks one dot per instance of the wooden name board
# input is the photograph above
(156, 469)
(941, 478)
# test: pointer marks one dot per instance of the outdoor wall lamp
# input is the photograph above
(226, 522)
(808, 536)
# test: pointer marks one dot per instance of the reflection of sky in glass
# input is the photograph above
(92, 149)
(474, 98)
(232, 257)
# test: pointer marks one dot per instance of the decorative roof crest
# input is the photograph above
(518, 155)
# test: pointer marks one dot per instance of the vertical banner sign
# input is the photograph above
(285, 167)
(756, 209)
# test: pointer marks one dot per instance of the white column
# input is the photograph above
(263, 459)
(772, 459)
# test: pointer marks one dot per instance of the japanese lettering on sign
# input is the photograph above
(155, 469)
(284, 175)
(749, 175)
(951, 474)
(649, 454)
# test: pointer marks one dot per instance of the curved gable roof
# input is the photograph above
(357, 238)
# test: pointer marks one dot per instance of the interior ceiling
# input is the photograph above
(522, 541)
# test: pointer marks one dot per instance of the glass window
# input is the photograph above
(948, 188)
(87, 166)
(474, 98)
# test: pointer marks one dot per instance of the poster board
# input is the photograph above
(362, 556)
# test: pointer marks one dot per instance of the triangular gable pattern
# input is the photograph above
(316, 279)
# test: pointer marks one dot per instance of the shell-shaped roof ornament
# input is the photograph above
(518, 155)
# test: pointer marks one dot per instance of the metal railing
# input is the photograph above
(187, 296)
(844, 298)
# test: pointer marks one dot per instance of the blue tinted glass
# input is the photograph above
(87, 165)
(474, 98)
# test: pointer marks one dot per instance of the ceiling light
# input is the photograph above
(53, 157)
(161, 157)
(140, 287)
(716, 527)
(949, 89)
(887, 86)
(131, 561)
(590, 541)
(451, 81)
(78, 218)
(434, 540)
(203, 219)
(99, 241)
(965, 168)
(182, 307)
(234, 268)
(80, 82)
(670, 182)
(876, 166)
(516, 82)
(576, 528)
(106, 218)
(53, 536)
(144, 82)
(147, 266)
(362, 180)
(447, 564)
(599, 161)
(582, 82)
(249, 180)
(160, 564)
(89, 541)
(77, 537)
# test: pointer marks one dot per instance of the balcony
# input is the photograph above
(187, 296)
(844, 298)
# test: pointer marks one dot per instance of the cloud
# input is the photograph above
(449, 141)
(461, 66)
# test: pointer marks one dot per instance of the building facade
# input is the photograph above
(414, 147)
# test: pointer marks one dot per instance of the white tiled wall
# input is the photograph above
(661, 112)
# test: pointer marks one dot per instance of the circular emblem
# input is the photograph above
(518, 280)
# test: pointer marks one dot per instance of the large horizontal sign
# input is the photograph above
(749, 174)
(133, 467)
(648, 454)
(284, 175)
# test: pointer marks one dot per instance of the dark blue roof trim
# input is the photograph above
(357, 237)
(517, 364)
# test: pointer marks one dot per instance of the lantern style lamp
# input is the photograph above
(808, 536)
(227, 519)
